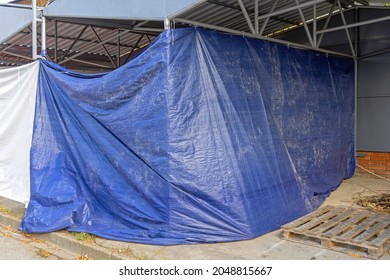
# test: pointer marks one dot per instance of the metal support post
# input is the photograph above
(34, 30)
(118, 50)
(55, 41)
(43, 37)
(167, 24)
(356, 99)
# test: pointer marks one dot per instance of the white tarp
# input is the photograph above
(17, 105)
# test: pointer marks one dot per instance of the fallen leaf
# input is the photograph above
(83, 258)
(354, 255)
(42, 253)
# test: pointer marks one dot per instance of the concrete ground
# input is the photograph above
(269, 246)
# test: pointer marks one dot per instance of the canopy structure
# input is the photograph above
(204, 137)
(189, 129)
(103, 35)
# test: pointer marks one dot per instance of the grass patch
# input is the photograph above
(84, 236)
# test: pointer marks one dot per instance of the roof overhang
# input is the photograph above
(13, 20)
(102, 34)
(154, 10)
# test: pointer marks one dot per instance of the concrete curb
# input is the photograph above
(65, 241)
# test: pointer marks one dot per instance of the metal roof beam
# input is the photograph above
(104, 47)
(267, 19)
(216, 2)
(87, 47)
(326, 22)
(17, 55)
(246, 16)
(292, 8)
(134, 48)
(91, 63)
(375, 53)
(367, 22)
(305, 24)
(257, 36)
(346, 30)
(74, 42)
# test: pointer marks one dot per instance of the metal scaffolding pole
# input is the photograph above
(167, 24)
(356, 64)
(34, 30)
(55, 41)
(43, 36)
(118, 49)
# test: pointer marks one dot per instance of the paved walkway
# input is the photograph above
(269, 246)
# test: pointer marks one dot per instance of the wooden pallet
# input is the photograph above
(347, 230)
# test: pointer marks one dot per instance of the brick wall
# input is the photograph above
(40, 3)
(376, 162)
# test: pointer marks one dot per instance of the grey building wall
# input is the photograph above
(373, 104)
(373, 82)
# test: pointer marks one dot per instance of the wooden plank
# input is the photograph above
(381, 239)
(382, 223)
(360, 227)
(318, 220)
(347, 224)
(355, 226)
(333, 222)
(307, 217)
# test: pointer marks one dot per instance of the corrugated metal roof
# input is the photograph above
(93, 52)
(227, 13)
(89, 52)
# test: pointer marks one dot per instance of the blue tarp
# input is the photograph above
(204, 137)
